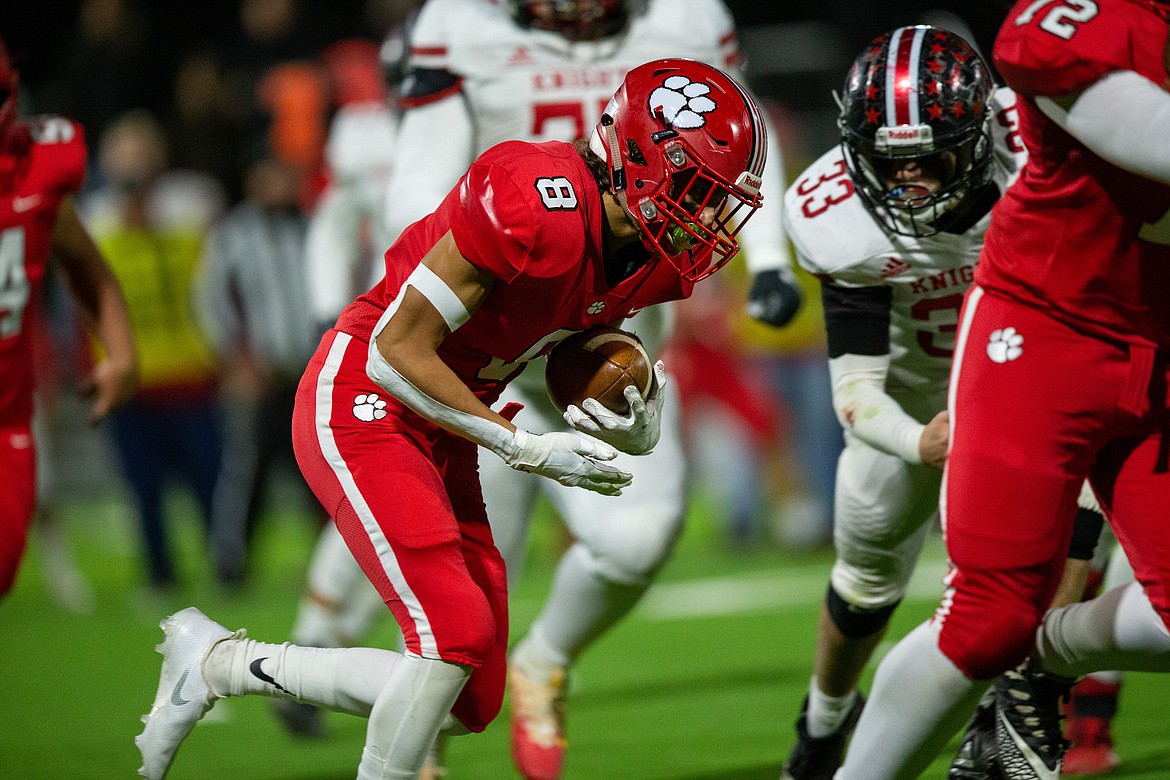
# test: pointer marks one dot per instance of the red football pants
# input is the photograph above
(406, 498)
(18, 499)
(1030, 420)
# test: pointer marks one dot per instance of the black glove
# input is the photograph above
(775, 297)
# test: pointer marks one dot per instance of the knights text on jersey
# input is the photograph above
(47, 158)
(1078, 236)
(531, 215)
(537, 86)
(838, 240)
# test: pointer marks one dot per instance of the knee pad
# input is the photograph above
(857, 622)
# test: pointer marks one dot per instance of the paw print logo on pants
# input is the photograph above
(1005, 344)
(683, 102)
(368, 408)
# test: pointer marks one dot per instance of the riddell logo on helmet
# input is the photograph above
(904, 135)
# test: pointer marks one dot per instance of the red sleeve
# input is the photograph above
(493, 225)
(1036, 59)
(59, 146)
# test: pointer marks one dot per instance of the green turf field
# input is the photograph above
(702, 682)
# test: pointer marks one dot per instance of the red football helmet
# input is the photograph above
(917, 94)
(8, 82)
(685, 145)
(576, 20)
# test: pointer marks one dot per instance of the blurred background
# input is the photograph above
(201, 108)
(207, 125)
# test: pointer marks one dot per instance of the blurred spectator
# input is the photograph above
(151, 221)
(269, 61)
(108, 68)
(204, 123)
(252, 302)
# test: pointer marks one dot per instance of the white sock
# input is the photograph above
(826, 713)
(1120, 629)
(537, 657)
(340, 679)
(918, 701)
(407, 716)
(581, 606)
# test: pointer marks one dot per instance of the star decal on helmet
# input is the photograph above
(682, 102)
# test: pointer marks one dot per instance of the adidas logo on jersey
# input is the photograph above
(893, 267)
(520, 57)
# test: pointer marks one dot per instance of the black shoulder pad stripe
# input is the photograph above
(423, 85)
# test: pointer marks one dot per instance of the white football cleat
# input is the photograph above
(183, 693)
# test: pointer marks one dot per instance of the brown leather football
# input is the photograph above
(598, 363)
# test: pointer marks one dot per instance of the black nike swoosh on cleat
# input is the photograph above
(259, 673)
(176, 695)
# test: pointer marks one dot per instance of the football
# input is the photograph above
(598, 363)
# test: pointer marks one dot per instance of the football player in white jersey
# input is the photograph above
(483, 72)
(892, 221)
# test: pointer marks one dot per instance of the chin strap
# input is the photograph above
(617, 170)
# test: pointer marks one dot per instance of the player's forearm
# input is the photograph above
(417, 377)
(111, 318)
(1122, 118)
(94, 287)
(864, 408)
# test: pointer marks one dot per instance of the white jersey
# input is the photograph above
(836, 238)
(537, 86)
(347, 230)
(534, 85)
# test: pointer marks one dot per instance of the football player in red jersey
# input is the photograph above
(1061, 374)
(42, 164)
(535, 242)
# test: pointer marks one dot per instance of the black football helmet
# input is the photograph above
(576, 20)
(917, 94)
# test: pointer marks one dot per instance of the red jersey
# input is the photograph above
(41, 161)
(531, 215)
(1076, 235)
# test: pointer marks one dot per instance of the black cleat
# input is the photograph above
(818, 758)
(1028, 730)
(976, 757)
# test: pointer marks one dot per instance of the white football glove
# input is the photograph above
(636, 433)
(568, 458)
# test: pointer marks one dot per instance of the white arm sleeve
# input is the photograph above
(864, 408)
(485, 433)
(434, 150)
(333, 251)
(1123, 118)
(764, 245)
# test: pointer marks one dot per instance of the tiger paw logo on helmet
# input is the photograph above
(683, 102)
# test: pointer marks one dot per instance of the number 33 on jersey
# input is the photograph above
(838, 240)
